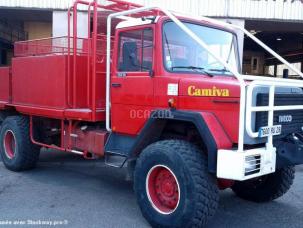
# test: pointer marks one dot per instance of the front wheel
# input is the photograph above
(2, 117)
(266, 188)
(173, 186)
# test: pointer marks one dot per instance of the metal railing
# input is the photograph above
(52, 45)
(241, 78)
(58, 45)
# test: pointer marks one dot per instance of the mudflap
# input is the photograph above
(289, 150)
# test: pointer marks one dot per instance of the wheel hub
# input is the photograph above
(163, 189)
(9, 144)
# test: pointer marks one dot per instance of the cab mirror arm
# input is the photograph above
(151, 73)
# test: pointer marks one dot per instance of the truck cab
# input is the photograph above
(155, 64)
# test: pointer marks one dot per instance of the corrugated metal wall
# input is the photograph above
(279, 9)
(263, 9)
(46, 4)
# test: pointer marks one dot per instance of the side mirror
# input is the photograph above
(133, 59)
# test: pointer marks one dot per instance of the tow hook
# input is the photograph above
(289, 150)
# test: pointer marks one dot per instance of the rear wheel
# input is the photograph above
(266, 188)
(173, 186)
(17, 151)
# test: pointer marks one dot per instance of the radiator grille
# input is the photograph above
(281, 99)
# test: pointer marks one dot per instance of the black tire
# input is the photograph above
(17, 151)
(198, 191)
(2, 117)
(266, 188)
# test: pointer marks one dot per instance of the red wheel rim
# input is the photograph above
(163, 189)
(9, 144)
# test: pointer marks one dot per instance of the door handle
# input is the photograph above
(116, 85)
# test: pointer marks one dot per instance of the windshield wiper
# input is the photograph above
(219, 70)
(195, 69)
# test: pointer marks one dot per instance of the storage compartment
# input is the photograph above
(91, 141)
(45, 82)
(5, 90)
(53, 77)
(40, 81)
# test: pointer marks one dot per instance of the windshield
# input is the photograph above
(183, 54)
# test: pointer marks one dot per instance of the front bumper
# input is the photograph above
(235, 165)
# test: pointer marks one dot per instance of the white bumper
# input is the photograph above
(234, 165)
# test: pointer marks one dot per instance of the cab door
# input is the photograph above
(132, 84)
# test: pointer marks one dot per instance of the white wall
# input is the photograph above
(60, 22)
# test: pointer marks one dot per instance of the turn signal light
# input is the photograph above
(172, 103)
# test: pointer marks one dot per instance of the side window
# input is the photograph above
(135, 50)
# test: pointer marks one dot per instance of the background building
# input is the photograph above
(279, 23)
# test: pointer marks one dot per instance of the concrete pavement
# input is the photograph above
(65, 189)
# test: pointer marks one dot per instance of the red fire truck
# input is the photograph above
(160, 93)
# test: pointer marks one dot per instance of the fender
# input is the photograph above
(217, 130)
(211, 132)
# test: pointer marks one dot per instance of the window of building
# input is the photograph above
(282, 67)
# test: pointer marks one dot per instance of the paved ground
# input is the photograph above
(66, 189)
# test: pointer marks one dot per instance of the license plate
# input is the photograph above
(267, 131)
